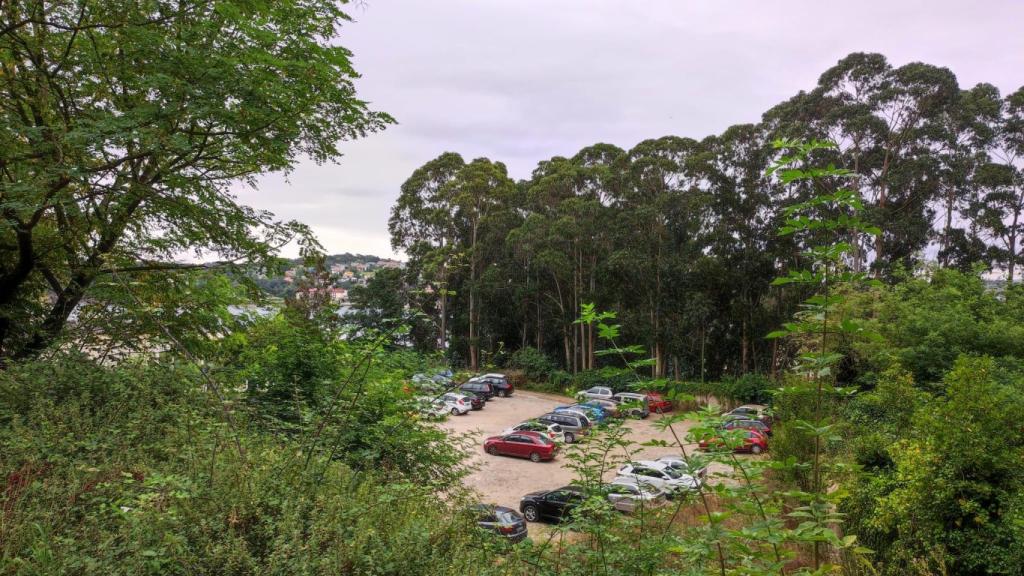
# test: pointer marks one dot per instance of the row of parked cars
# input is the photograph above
(751, 426)
(455, 400)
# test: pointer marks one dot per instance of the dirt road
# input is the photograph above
(504, 480)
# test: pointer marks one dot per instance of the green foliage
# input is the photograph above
(927, 322)
(535, 365)
(953, 493)
(128, 124)
(134, 470)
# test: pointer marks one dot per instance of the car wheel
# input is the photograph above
(755, 449)
(455, 411)
(570, 437)
(491, 450)
(506, 393)
(531, 513)
(534, 457)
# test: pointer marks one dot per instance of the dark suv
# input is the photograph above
(482, 389)
(573, 425)
(497, 381)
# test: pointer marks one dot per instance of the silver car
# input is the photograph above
(596, 392)
(630, 495)
(660, 474)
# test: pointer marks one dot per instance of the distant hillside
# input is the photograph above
(348, 269)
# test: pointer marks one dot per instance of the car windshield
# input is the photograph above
(672, 472)
(506, 516)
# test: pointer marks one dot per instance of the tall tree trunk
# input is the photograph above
(743, 348)
(442, 338)
(474, 347)
(944, 245)
(1012, 246)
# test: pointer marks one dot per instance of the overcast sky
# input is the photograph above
(524, 80)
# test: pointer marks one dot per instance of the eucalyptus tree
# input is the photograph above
(745, 204)
(878, 116)
(959, 138)
(1000, 210)
(662, 219)
(422, 227)
(124, 125)
(481, 190)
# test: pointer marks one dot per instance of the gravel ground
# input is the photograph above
(504, 480)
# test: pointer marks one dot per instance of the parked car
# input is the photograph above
(456, 403)
(599, 392)
(748, 412)
(503, 521)
(610, 408)
(500, 383)
(554, 431)
(629, 494)
(476, 400)
(591, 412)
(681, 465)
(752, 441)
(658, 403)
(551, 505)
(633, 404)
(573, 425)
(432, 408)
(482, 389)
(660, 474)
(748, 425)
(532, 445)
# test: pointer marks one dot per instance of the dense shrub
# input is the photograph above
(951, 498)
(135, 470)
(535, 364)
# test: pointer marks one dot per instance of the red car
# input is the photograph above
(526, 444)
(657, 403)
(753, 442)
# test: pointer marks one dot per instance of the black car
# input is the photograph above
(482, 389)
(551, 505)
(499, 382)
(503, 521)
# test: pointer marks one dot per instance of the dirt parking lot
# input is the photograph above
(504, 480)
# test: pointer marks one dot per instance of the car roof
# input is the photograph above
(649, 464)
(529, 433)
(633, 482)
(492, 375)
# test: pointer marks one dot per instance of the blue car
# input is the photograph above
(592, 412)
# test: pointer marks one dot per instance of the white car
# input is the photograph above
(628, 494)
(660, 474)
(456, 403)
(432, 408)
(554, 431)
(683, 467)
(598, 392)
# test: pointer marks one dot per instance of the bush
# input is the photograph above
(535, 364)
(748, 388)
(133, 470)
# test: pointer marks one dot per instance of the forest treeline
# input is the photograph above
(680, 236)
